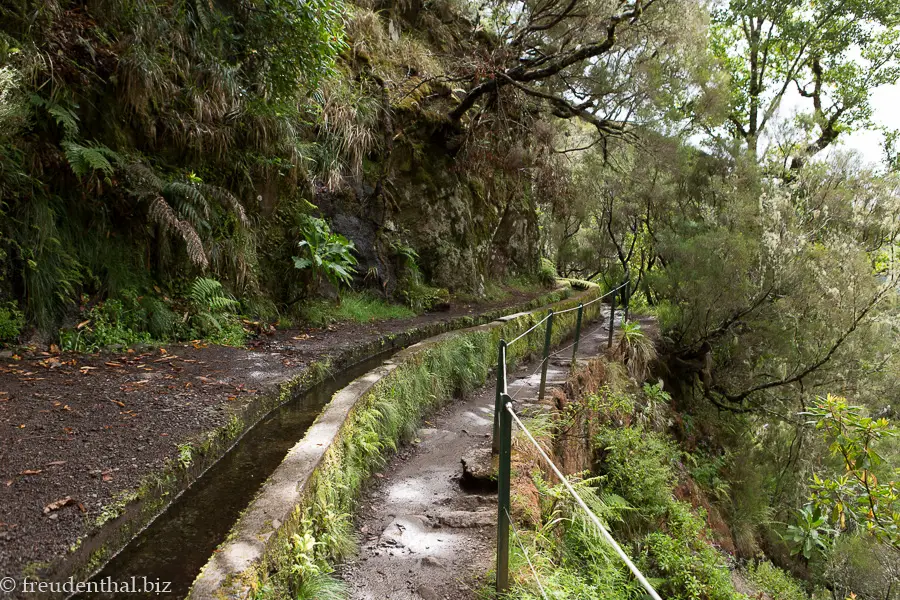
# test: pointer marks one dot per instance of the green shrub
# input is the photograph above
(417, 294)
(685, 565)
(547, 273)
(421, 296)
(637, 350)
(325, 254)
(637, 465)
(210, 313)
(12, 321)
(110, 323)
(774, 582)
(214, 314)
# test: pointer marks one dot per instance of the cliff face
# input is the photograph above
(145, 143)
(462, 195)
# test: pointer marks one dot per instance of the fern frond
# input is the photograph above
(162, 214)
(226, 198)
(65, 118)
(84, 160)
(142, 180)
(191, 193)
(208, 295)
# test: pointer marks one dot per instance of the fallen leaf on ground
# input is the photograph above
(107, 477)
(31, 472)
(114, 364)
(58, 504)
(82, 324)
(56, 463)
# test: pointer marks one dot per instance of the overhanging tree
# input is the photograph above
(832, 53)
(606, 63)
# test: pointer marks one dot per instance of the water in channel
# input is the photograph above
(175, 546)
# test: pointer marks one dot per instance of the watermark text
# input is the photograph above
(133, 585)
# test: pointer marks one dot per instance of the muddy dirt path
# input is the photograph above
(425, 532)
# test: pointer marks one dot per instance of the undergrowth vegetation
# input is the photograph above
(635, 481)
(207, 312)
(234, 140)
(357, 307)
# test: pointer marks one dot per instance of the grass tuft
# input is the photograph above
(357, 307)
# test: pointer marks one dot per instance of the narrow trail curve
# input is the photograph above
(423, 535)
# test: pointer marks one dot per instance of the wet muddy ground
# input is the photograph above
(78, 430)
(424, 532)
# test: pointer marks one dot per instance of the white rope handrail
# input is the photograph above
(562, 312)
(607, 293)
(603, 531)
(527, 331)
(525, 552)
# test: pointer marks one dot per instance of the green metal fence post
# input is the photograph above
(612, 319)
(501, 389)
(503, 497)
(577, 333)
(627, 297)
(548, 333)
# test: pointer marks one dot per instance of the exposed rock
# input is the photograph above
(463, 518)
(477, 466)
(427, 593)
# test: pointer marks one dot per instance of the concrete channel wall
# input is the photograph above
(281, 500)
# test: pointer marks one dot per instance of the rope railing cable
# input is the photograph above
(533, 373)
(525, 552)
(603, 531)
(527, 331)
(607, 294)
(562, 312)
(560, 351)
